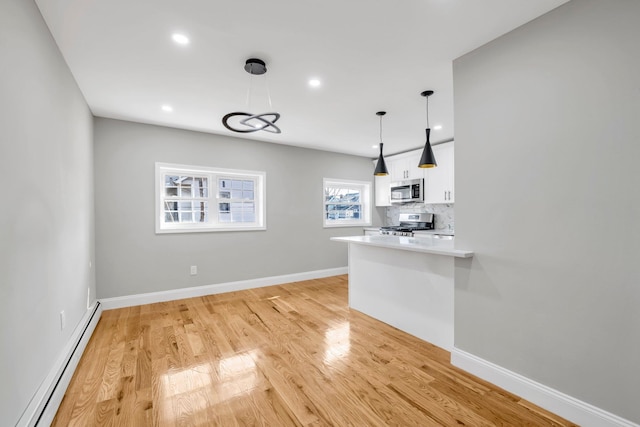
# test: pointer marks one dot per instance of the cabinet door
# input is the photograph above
(413, 171)
(448, 155)
(405, 166)
(439, 180)
(397, 168)
(383, 190)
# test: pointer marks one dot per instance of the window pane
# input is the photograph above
(224, 217)
(247, 185)
(171, 216)
(247, 194)
(170, 180)
(225, 184)
(344, 212)
(236, 184)
(201, 210)
(236, 215)
(186, 217)
(335, 194)
(171, 191)
(185, 192)
(248, 212)
(224, 207)
(236, 194)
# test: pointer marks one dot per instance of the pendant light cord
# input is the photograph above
(251, 87)
(268, 92)
(428, 112)
(380, 129)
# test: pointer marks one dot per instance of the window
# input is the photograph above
(194, 198)
(346, 203)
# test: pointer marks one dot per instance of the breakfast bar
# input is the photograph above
(406, 282)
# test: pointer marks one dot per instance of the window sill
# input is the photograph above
(207, 229)
(347, 224)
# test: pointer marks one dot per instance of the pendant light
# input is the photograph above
(381, 167)
(428, 160)
(253, 122)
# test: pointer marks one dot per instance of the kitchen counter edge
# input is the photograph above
(424, 245)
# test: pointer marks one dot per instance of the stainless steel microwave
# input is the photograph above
(411, 190)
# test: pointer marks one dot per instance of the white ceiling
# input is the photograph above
(370, 55)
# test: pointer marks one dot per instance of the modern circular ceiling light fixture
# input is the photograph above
(428, 160)
(242, 122)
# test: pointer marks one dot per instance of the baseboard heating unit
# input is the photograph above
(44, 404)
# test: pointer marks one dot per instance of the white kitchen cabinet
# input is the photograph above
(439, 181)
(405, 166)
(382, 187)
(383, 190)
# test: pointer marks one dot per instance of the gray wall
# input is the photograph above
(132, 259)
(46, 223)
(547, 195)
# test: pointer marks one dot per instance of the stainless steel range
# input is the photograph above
(409, 223)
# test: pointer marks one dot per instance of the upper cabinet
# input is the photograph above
(383, 190)
(405, 166)
(382, 187)
(439, 181)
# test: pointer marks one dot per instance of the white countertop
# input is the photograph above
(426, 244)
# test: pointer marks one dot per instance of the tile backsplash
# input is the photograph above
(443, 214)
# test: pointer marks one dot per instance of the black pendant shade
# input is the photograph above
(428, 160)
(381, 167)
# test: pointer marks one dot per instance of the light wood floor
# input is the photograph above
(290, 355)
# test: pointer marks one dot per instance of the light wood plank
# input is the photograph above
(286, 355)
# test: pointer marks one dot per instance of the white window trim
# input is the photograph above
(366, 203)
(260, 198)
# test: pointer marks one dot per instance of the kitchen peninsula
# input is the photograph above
(406, 282)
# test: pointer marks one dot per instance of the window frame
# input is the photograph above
(365, 198)
(213, 174)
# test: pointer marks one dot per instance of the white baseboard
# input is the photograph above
(552, 400)
(45, 402)
(175, 294)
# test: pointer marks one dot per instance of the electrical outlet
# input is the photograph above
(63, 320)
(194, 270)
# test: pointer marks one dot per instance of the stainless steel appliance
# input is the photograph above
(411, 190)
(410, 222)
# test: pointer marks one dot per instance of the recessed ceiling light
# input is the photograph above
(314, 83)
(167, 108)
(180, 38)
(437, 127)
